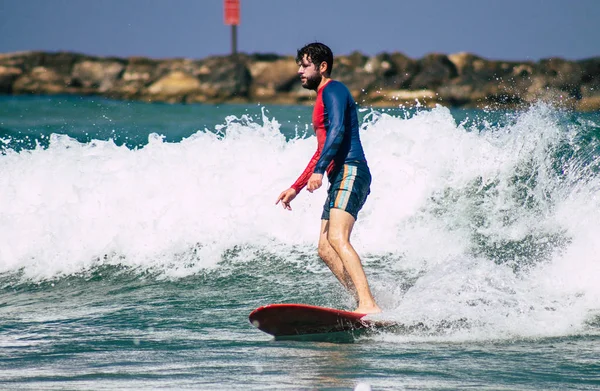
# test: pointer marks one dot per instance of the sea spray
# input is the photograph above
(473, 228)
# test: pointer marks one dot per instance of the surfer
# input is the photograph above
(340, 154)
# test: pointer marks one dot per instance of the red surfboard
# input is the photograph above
(288, 320)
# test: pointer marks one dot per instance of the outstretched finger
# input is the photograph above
(281, 196)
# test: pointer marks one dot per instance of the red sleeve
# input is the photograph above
(308, 171)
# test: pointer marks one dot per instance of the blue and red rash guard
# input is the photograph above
(336, 125)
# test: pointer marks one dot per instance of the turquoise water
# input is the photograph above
(136, 239)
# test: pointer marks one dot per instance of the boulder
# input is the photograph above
(139, 73)
(590, 77)
(100, 75)
(588, 103)
(459, 79)
(176, 83)
(471, 68)
(480, 82)
(459, 94)
(559, 75)
(465, 62)
(7, 76)
(224, 77)
(22, 60)
(355, 60)
(273, 76)
(433, 71)
(358, 79)
(402, 72)
(392, 71)
(397, 98)
(59, 62)
(41, 80)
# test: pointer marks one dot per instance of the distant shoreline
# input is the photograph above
(387, 79)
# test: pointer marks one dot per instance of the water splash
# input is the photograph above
(481, 226)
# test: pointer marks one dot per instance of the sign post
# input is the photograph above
(232, 18)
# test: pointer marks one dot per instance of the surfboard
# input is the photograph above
(286, 321)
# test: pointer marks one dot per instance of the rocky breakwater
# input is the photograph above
(388, 79)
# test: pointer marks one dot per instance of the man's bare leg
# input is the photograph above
(338, 236)
(333, 261)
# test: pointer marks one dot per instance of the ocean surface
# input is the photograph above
(136, 238)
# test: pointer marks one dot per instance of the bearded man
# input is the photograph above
(340, 154)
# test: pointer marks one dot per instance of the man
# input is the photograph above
(340, 153)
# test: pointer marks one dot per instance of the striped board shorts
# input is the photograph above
(348, 189)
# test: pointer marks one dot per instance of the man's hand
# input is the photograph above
(315, 181)
(286, 197)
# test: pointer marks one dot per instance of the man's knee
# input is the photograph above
(336, 241)
(325, 251)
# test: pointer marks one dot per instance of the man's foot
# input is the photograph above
(373, 309)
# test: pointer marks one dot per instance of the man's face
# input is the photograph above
(309, 74)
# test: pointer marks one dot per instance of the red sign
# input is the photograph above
(232, 12)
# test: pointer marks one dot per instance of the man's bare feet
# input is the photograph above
(367, 310)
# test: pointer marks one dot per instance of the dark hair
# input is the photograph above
(317, 53)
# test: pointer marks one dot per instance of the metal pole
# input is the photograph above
(234, 39)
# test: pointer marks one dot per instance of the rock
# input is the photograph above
(21, 60)
(352, 71)
(480, 82)
(590, 77)
(7, 76)
(95, 74)
(433, 71)
(560, 73)
(472, 69)
(355, 60)
(591, 103)
(397, 98)
(392, 71)
(402, 72)
(459, 94)
(139, 73)
(175, 83)
(61, 62)
(387, 79)
(273, 76)
(556, 78)
(228, 77)
(41, 80)
(464, 62)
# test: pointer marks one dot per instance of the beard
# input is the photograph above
(313, 82)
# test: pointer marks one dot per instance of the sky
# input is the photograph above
(494, 29)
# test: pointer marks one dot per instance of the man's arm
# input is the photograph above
(335, 106)
(288, 195)
(310, 168)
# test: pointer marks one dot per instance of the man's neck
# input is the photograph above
(324, 80)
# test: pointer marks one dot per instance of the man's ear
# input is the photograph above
(323, 70)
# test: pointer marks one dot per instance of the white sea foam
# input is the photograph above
(444, 205)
